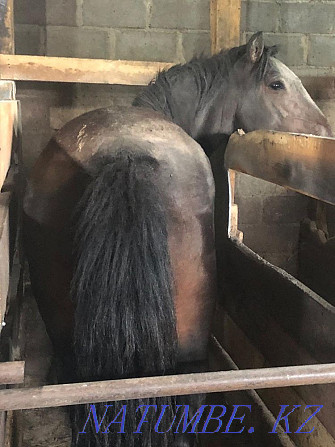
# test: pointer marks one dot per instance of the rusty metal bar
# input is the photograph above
(113, 390)
(11, 373)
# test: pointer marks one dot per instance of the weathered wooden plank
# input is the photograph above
(4, 253)
(317, 260)
(9, 429)
(261, 417)
(2, 427)
(259, 341)
(255, 285)
(8, 129)
(299, 162)
(286, 322)
(225, 18)
(288, 396)
(240, 347)
(6, 27)
(93, 71)
(11, 373)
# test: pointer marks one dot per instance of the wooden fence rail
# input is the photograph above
(11, 373)
(66, 69)
(304, 163)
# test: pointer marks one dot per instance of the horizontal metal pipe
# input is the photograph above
(113, 390)
(11, 373)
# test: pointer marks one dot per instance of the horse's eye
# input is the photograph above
(277, 85)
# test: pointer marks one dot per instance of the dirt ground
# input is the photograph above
(48, 427)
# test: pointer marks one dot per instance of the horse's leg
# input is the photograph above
(55, 185)
(192, 401)
(49, 255)
(193, 256)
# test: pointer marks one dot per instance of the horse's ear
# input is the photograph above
(255, 47)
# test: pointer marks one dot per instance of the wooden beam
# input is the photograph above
(299, 162)
(6, 27)
(261, 418)
(262, 342)
(276, 301)
(225, 17)
(124, 389)
(4, 253)
(9, 122)
(255, 287)
(11, 373)
(243, 351)
(92, 71)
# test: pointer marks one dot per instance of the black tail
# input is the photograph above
(122, 286)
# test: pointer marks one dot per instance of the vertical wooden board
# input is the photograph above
(8, 128)
(225, 22)
(225, 18)
(6, 27)
(7, 90)
(2, 428)
(4, 253)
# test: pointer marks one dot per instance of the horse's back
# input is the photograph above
(64, 167)
(184, 179)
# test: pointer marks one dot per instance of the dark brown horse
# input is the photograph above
(119, 221)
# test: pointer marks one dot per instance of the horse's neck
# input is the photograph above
(177, 103)
(206, 118)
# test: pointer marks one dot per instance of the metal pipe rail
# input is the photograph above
(124, 389)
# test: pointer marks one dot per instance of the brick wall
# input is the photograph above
(173, 30)
(164, 30)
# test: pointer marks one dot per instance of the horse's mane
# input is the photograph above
(209, 73)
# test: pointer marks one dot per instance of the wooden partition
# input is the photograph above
(271, 318)
(268, 318)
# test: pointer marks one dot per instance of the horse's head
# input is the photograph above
(271, 96)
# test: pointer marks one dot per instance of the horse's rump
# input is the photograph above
(143, 191)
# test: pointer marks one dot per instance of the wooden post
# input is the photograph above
(7, 92)
(225, 18)
(6, 27)
(225, 24)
